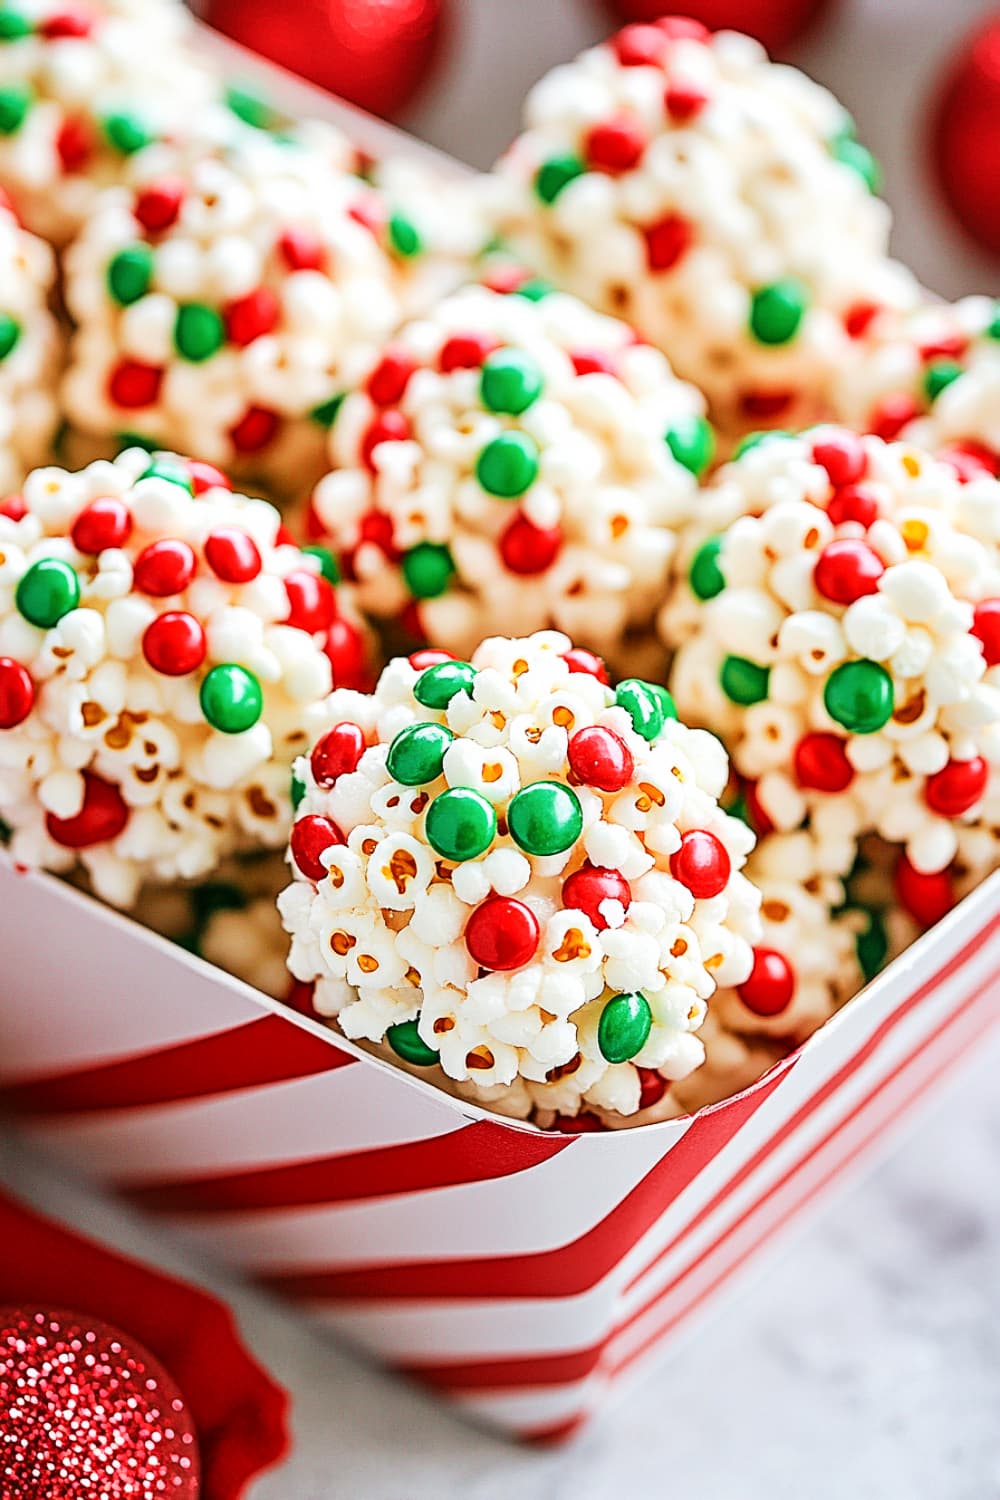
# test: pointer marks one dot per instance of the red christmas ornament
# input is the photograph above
(773, 22)
(965, 135)
(771, 984)
(502, 934)
(701, 863)
(87, 1410)
(337, 753)
(310, 836)
(373, 52)
(587, 887)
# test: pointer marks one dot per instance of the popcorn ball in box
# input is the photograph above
(718, 202)
(164, 655)
(840, 611)
(512, 464)
(223, 297)
(84, 86)
(29, 346)
(506, 868)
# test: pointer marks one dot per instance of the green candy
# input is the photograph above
(14, 25)
(297, 791)
(15, 102)
(171, 470)
(438, 685)
(743, 681)
(407, 1043)
(992, 329)
(327, 562)
(508, 465)
(555, 174)
(231, 698)
(460, 824)
(852, 154)
(644, 705)
(126, 133)
(428, 568)
(10, 333)
(404, 236)
(251, 107)
(872, 945)
(130, 274)
(939, 375)
(704, 575)
(126, 440)
(510, 381)
(199, 332)
(624, 1027)
(47, 591)
(755, 439)
(692, 442)
(325, 414)
(666, 700)
(534, 289)
(545, 818)
(777, 310)
(416, 755)
(859, 695)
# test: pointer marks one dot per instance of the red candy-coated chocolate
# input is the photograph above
(842, 455)
(773, 22)
(102, 817)
(765, 406)
(701, 863)
(615, 145)
(232, 554)
(855, 502)
(760, 818)
(599, 757)
(158, 204)
(579, 660)
(465, 351)
(206, 477)
(301, 250)
(164, 568)
(311, 835)
(986, 629)
(251, 317)
(587, 887)
(312, 604)
(14, 507)
(683, 101)
(892, 414)
(927, 898)
(847, 570)
(640, 46)
(526, 548)
(174, 643)
(70, 22)
(667, 241)
(770, 987)
(390, 377)
(132, 384)
(378, 528)
(429, 656)
(859, 318)
(821, 763)
(337, 753)
(956, 788)
(105, 522)
(593, 362)
(502, 934)
(652, 1087)
(74, 143)
(388, 427)
(17, 692)
(970, 460)
(255, 429)
(345, 649)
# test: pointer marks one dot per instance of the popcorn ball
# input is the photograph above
(718, 202)
(511, 464)
(224, 297)
(164, 655)
(29, 348)
(83, 87)
(842, 593)
(510, 870)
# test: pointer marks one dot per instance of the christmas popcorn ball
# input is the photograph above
(223, 298)
(844, 648)
(718, 202)
(83, 87)
(164, 655)
(508, 869)
(28, 350)
(514, 464)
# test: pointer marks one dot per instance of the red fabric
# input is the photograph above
(239, 1411)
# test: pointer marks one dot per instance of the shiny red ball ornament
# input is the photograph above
(158, 204)
(88, 1411)
(770, 987)
(251, 317)
(599, 757)
(375, 53)
(163, 568)
(311, 835)
(821, 763)
(965, 135)
(105, 522)
(17, 692)
(986, 629)
(102, 817)
(388, 427)
(589, 886)
(502, 934)
(174, 643)
(701, 863)
(579, 660)
(855, 502)
(337, 753)
(847, 570)
(773, 22)
(527, 549)
(312, 605)
(956, 788)
(390, 377)
(465, 351)
(842, 455)
(232, 554)
(927, 898)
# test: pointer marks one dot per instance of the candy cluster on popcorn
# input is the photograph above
(83, 87)
(843, 594)
(509, 869)
(29, 347)
(511, 464)
(718, 202)
(165, 654)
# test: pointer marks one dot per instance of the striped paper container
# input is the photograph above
(519, 1274)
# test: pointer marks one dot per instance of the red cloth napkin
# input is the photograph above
(238, 1409)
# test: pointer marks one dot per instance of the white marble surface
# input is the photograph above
(862, 1364)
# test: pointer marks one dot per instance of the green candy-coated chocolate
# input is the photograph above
(404, 236)
(10, 334)
(624, 1027)
(325, 414)
(328, 564)
(852, 154)
(692, 442)
(859, 695)
(15, 102)
(460, 824)
(231, 698)
(171, 470)
(644, 705)
(126, 133)
(436, 686)
(416, 754)
(428, 568)
(130, 274)
(555, 174)
(545, 818)
(407, 1043)
(704, 575)
(510, 382)
(743, 681)
(47, 591)
(939, 375)
(777, 310)
(13, 25)
(199, 331)
(508, 465)
(297, 791)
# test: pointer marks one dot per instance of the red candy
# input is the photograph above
(970, 460)
(842, 455)
(599, 757)
(390, 377)
(105, 522)
(683, 101)
(232, 555)
(702, 864)
(311, 835)
(465, 351)
(587, 887)
(301, 250)
(250, 317)
(164, 568)
(13, 507)
(652, 1087)
(17, 693)
(157, 206)
(502, 934)
(527, 549)
(927, 898)
(615, 145)
(388, 427)
(847, 570)
(206, 477)
(667, 241)
(855, 502)
(640, 46)
(254, 430)
(821, 763)
(986, 629)
(337, 753)
(67, 23)
(430, 656)
(174, 643)
(344, 647)
(133, 384)
(592, 362)
(579, 660)
(312, 605)
(102, 817)
(771, 986)
(892, 414)
(956, 788)
(74, 143)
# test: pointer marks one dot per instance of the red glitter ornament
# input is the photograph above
(965, 135)
(599, 757)
(88, 1412)
(337, 753)
(502, 934)
(770, 987)
(773, 22)
(589, 886)
(102, 817)
(701, 863)
(311, 835)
